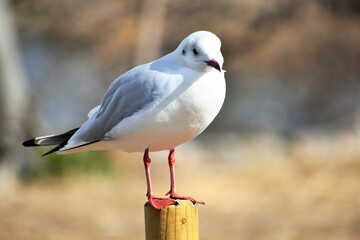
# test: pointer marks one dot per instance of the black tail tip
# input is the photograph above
(30, 143)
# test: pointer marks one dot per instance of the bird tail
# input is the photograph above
(57, 139)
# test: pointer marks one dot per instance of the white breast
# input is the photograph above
(181, 116)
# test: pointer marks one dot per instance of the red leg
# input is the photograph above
(157, 203)
(172, 193)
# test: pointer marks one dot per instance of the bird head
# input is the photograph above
(201, 51)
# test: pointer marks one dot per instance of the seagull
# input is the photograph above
(154, 107)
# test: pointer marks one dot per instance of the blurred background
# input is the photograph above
(281, 160)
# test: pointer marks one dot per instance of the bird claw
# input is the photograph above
(179, 197)
(161, 203)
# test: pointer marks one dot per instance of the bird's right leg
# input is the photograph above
(155, 202)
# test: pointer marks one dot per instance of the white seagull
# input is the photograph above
(153, 107)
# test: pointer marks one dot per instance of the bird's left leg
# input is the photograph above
(157, 203)
(172, 193)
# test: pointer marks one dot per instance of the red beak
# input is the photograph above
(213, 63)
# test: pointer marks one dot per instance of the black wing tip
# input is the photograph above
(30, 143)
(52, 151)
(57, 148)
(66, 136)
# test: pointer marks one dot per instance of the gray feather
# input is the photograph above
(123, 99)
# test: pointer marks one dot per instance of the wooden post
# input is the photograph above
(179, 222)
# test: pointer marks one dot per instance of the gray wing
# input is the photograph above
(131, 92)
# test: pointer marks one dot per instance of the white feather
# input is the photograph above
(161, 104)
(93, 111)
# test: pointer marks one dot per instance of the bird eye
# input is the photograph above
(195, 52)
